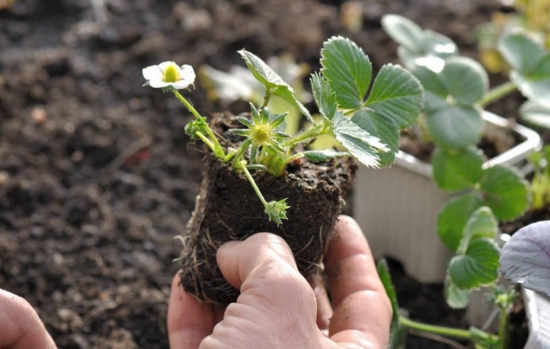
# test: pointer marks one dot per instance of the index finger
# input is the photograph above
(20, 326)
(363, 311)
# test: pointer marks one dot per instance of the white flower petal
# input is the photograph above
(152, 73)
(187, 73)
(179, 85)
(159, 83)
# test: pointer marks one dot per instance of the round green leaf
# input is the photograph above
(454, 216)
(536, 89)
(404, 31)
(477, 267)
(505, 192)
(382, 128)
(397, 95)
(348, 71)
(457, 171)
(457, 298)
(521, 52)
(455, 127)
(525, 259)
(535, 114)
(418, 47)
(465, 80)
(482, 224)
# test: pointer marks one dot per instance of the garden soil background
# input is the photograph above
(96, 173)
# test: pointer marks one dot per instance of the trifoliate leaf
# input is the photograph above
(525, 259)
(505, 192)
(454, 216)
(397, 95)
(457, 171)
(348, 71)
(478, 266)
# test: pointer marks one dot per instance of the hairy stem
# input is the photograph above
(440, 330)
(497, 93)
(313, 132)
(217, 150)
(253, 183)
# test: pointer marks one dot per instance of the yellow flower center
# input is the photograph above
(171, 74)
(261, 133)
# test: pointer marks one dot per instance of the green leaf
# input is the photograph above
(455, 127)
(418, 47)
(457, 171)
(363, 146)
(477, 267)
(482, 224)
(324, 155)
(397, 95)
(465, 80)
(536, 89)
(521, 52)
(323, 96)
(287, 93)
(385, 277)
(397, 330)
(531, 65)
(505, 192)
(348, 71)
(381, 127)
(403, 31)
(454, 216)
(457, 298)
(272, 81)
(535, 114)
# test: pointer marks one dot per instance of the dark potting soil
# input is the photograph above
(96, 173)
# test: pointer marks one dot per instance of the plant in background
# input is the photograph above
(457, 90)
(540, 183)
(367, 126)
(530, 15)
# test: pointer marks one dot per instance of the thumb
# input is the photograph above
(20, 326)
(239, 259)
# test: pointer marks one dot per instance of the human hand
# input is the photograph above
(20, 326)
(277, 307)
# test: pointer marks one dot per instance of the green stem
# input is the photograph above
(502, 335)
(311, 133)
(446, 331)
(497, 93)
(253, 183)
(206, 141)
(240, 153)
(218, 150)
(266, 98)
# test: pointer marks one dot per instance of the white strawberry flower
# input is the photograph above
(169, 74)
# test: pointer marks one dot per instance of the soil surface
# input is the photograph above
(96, 173)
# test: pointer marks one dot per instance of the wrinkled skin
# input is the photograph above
(277, 307)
